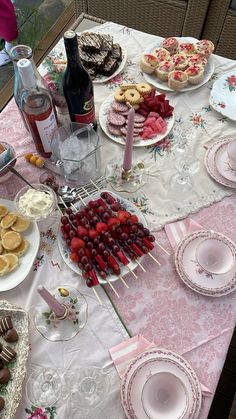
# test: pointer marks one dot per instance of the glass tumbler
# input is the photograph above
(76, 151)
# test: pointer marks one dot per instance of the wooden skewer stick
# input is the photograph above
(112, 287)
(141, 266)
(162, 248)
(154, 259)
(132, 272)
(122, 279)
(94, 184)
(97, 296)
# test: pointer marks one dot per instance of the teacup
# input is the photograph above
(231, 150)
(164, 396)
(215, 256)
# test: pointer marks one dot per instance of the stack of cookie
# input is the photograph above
(178, 64)
(99, 54)
(12, 243)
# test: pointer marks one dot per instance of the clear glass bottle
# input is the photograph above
(17, 53)
(37, 106)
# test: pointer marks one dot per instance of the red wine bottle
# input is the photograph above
(77, 84)
(37, 107)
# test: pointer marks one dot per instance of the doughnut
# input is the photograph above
(119, 96)
(132, 96)
(143, 88)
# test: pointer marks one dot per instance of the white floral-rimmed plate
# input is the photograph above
(222, 163)
(32, 235)
(64, 250)
(194, 276)
(211, 164)
(148, 363)
(159, 84)
(223, 95)
(18, 365)
(120, 140)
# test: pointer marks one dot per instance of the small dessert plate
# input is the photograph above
(164, 396)
(215, 256)
(222, 163)
(153, 362)
(223, 98)
(211, 166)
(194, 276)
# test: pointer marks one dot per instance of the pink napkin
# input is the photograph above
(178, 230)
(123, 353)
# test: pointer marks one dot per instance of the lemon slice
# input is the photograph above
(21, 224)
(13, 261)
(8, 220)
(4, 265)
(3, 211)
(21, 249)
(11, 240)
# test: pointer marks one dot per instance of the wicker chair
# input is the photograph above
(160, 17)
(220, 27)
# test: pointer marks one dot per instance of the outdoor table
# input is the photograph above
(157, 305)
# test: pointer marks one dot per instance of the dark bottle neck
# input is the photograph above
(72, 52)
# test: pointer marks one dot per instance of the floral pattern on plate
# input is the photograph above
(222, 163)
(214, 286)
(211, 166)
(223, 95)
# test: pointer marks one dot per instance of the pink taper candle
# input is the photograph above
(127, 162)
(56, 307)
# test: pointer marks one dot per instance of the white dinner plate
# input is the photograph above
(103, 79)
(120, 140)
(194, 276)
(64, 250)
(148, 363)
(159, 84)
(222, 163)
(14, 278)
(13, 389)
(223, 95)
(211, 164)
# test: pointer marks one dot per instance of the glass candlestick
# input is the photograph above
(55, 328)
(122, 180)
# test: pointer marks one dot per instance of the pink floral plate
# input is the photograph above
(211, 166)
(222, 163)
(194, 276)
(223, 98)
(147, 364)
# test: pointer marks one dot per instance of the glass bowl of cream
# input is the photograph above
(36, 203)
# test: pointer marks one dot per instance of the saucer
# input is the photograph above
(155, 361)
(211, 167)
(164, 396)
(222, 163)
(194, 276)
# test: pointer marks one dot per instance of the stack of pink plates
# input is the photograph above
(217, 164)
(195, 274)
(160, 384)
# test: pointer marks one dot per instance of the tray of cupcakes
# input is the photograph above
(180, 64)
(14, 348)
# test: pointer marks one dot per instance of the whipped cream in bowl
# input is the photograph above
(36, 204)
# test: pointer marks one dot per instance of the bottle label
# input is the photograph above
(45, 129)
(85, 118)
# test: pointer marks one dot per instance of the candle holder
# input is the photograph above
(67, 326)
(126, 180)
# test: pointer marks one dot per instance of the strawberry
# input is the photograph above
(101, 227)
(82, 231)
(123, 216)
(77, 243)
(134, 218)
(112, 223)
(93, 234)
(74, 257)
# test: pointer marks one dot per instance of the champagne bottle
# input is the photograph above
(77, 84)
(37, 108)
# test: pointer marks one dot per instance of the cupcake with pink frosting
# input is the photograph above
(148, 63)
(161, 54)
(177, 79)
(163, 70)
(204, 47)
(171, 44)
(195, 74)
(180, 61)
